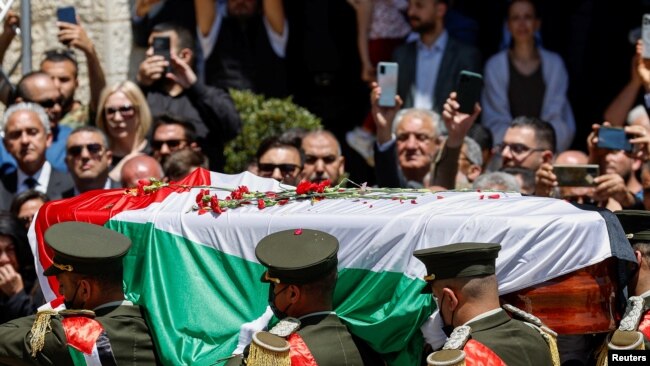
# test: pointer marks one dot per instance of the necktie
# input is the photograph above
(30, 182)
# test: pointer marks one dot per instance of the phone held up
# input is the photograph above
(468, 91)
(387, 80)
(161, 47)
(576, 175)
(612, 138)
(66, 14)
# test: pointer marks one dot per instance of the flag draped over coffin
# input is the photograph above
(198, 277)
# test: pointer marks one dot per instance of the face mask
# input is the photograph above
(446, 328)
(70, 304)
(280, 314)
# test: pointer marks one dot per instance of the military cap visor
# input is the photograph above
(297, 256)
(636, 224)
(85, 248)
(458, 260)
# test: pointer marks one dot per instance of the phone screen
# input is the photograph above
(613, 139)
(468, 91)
(387, 80)
(66, 14)
(576, 175)
(645, 35)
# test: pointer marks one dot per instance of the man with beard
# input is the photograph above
(89, 159)
(323, 159)
(179, 92)
(244, 44)
(429, 66)
(528, 143)
(279, 158)
(171, 134)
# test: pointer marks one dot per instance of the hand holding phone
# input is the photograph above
(387, 80)
(66, 14)
(645, 35)
(581, 175)
(468, 91)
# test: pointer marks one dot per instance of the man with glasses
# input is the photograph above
(323, 159)
(528, 143)
(89, 161)
(170, 134)
(37, 87)
(280, 159)
(172, 87)
(25, 130)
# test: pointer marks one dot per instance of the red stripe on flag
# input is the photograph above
(97, 207)
(81, 333)
(299, 352)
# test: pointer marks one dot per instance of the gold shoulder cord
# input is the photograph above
(40, 327)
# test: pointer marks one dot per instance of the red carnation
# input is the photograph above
(214, 204)
(303, 187)
(261, 204)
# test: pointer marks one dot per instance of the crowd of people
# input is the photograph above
(177, 116)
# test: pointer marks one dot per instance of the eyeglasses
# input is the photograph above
(422, 137)
(517, 149)
(126, 110)
(171, 144)
(311, 159)
(93, 149)
(285, 169)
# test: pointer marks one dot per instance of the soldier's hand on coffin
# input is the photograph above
(545, 180)
(383, 116)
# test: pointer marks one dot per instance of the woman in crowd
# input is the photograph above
(17, 274)
(526, 80)
(126, 119)
(25, 205)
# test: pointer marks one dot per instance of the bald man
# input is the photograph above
(140, 167)
(323, 159)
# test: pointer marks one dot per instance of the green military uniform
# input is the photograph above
(511, 341)
(300, 257)
(635, 325)
(125, 339)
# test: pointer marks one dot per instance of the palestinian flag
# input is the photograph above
(198, 277)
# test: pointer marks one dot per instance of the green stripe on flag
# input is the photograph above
(197, 298)
(78, 358)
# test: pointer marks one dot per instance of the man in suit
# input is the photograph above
(429, 66)
(26, 133)
(89, 161)
(302, 272)
(464, 285)
(88, 266)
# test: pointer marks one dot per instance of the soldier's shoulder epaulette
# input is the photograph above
(40, 327)
(633, 314)
(528, 318)
(285, 327)
(452, 352)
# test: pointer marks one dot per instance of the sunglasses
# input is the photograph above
(48, 103)
(311, 160)
(285, 169)
(171, 144)
(93, 149)
(126, 110)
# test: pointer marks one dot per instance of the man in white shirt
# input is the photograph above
(25, 129)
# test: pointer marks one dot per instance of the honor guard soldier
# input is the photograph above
(301, 273)
(634, 329)
(463, 281)
(98, 326)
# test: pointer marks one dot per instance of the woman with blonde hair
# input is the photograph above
(124, 115)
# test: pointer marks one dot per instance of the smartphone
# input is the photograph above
(66, 14)
(645, 35)
(468, 91)
(576, 175)
(161, 47)
(613, 139)
(387, 80)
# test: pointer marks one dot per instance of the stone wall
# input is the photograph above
(107, 23)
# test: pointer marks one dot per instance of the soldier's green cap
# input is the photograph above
(297, 256)
(85, 248)
(636, 224)
(458, 260)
